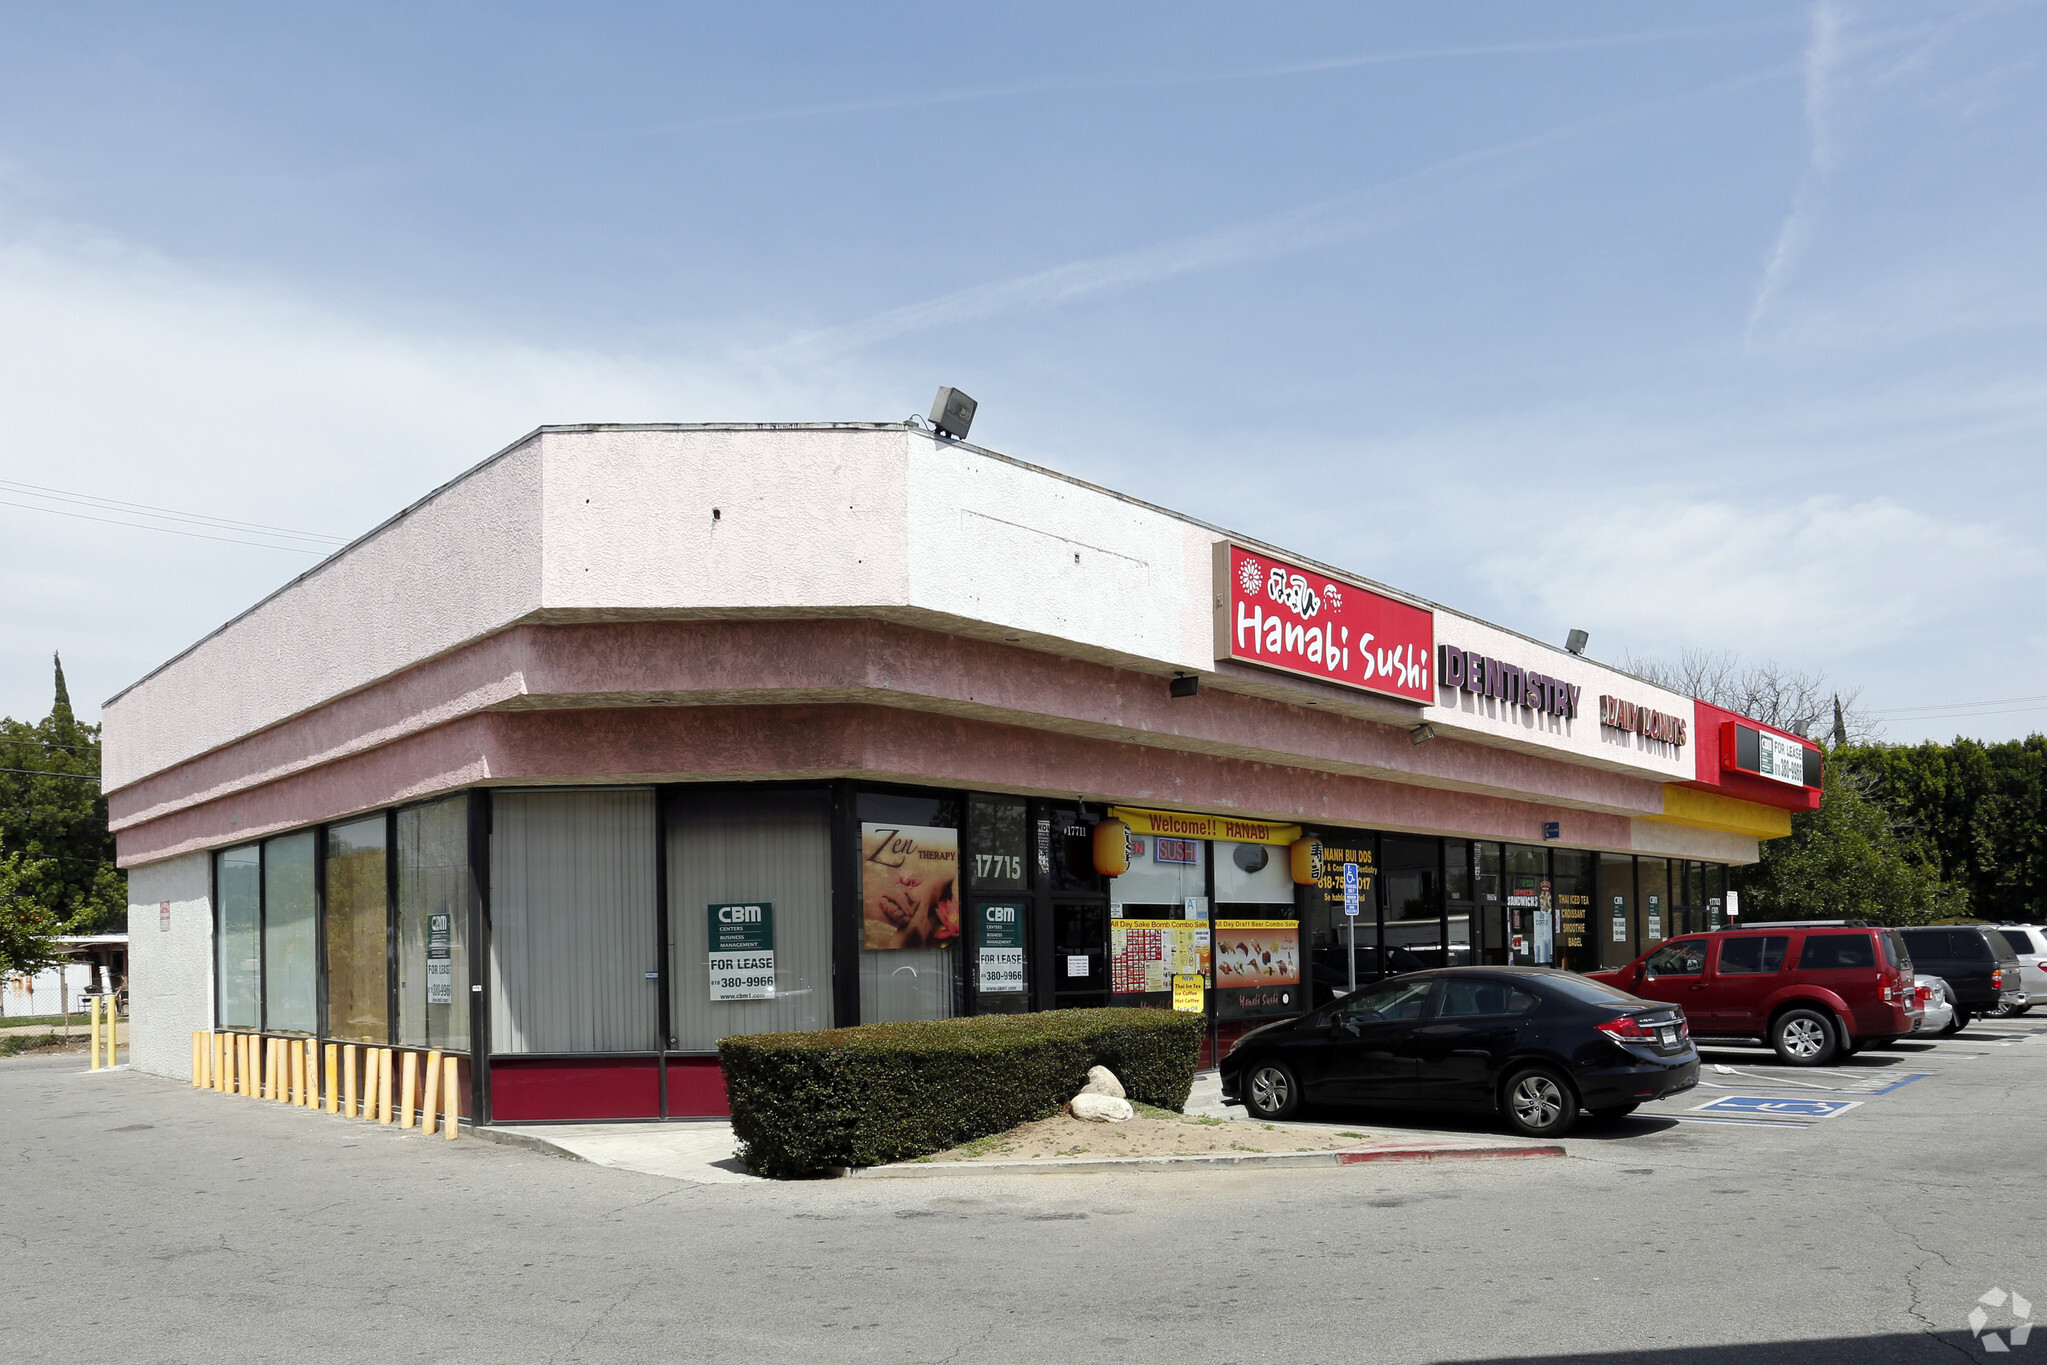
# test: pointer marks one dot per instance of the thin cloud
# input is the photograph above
(1822, 64)
(1158, 81)
(1378, 207)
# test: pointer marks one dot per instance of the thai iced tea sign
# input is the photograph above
(1280, 615)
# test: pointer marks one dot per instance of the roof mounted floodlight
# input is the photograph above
(952, 412)
(1575, 641)
(1185, 685)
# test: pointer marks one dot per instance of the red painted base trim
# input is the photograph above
(591, 1088)
(696, 1089)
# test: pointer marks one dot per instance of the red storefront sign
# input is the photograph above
(1280, 615)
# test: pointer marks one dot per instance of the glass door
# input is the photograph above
(1080, 954)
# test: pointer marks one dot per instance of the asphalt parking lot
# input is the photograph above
(147, 1221)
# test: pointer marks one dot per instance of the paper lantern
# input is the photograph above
(1307, 861)
(1112, 848)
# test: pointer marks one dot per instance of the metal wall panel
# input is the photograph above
(573, 927)
(750, 847)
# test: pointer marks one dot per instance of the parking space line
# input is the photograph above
(1734, 1123)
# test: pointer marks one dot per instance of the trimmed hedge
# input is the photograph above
(802, 1102)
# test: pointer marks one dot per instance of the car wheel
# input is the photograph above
(1271, 1091)
(1955, 1025)
(1804, 1037)
(1539, 1103)
(2007, 1010)
(1615, 1111)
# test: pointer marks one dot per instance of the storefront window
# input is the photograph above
(1257, 933)
(1652, 875)
(436, 895)
(1572, 884)
(1487, 879)
(1063, 844)
(1615, 910)
(1531, 928)
(1716, 896)
(1412, 873)
(358, 933)
(1457, 870)
(1339, 942)
(909, 906)
(749, 913)
(238, 879)
(290, 979)
(574, 936)
(998, 879)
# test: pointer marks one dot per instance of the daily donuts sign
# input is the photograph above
(1279, 615)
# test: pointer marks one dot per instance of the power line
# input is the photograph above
(43, 772)
(167, 530)
(1959, 706)
(194, 518)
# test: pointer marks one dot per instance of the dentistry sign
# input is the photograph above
(1280, 615)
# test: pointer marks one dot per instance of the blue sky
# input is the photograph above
(1694, 325)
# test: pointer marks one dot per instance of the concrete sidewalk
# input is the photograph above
(701, 1151)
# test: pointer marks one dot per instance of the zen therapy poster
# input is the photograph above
(909, 885)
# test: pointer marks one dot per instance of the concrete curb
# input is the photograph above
(526, 1140)
(1224, 1160)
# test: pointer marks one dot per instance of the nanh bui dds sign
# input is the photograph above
(1279, 615)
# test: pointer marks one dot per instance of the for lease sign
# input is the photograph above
(1281, 615)
(742, 951)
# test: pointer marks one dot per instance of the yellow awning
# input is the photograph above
(1175, 824)
(1705, 810)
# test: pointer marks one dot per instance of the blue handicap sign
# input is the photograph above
(1762, 1107)
(1350, 888)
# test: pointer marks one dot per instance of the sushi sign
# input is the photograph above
(1284, 616)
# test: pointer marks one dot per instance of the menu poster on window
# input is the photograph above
(440, 964)
(909, 875)
(1002, 953)
(1571, 913)
(742, 939)
(1146, 954)
(1257, 967)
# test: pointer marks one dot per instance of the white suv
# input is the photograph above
(2029, 941)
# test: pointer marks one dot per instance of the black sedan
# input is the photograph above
(1534, 1044)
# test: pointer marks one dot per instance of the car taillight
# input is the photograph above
(1627, 1029)
(1997, 980)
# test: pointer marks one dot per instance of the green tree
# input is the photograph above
(1846, 860)
(27, 928)
(53, 824)
(1976, 811)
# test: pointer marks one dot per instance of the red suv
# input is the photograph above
(1814, 989)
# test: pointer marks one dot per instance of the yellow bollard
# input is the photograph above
(333, 1078)
(409, 1080)
(451, 1098)
(220, 1061)
(430, 1098)
(384, 1113)
(256, 1068)
(241, 1064)
(93, 1004)
(309, 1058)
(291, 1070)
(198, 1059)
(348, 1079)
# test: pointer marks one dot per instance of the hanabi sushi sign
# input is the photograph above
(1279, 615)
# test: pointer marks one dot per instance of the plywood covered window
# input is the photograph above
(574, 936)
(358, 932)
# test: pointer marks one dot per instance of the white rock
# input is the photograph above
(1102, 1081)
(1101, 1108)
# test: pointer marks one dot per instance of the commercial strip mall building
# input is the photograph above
(634, 737)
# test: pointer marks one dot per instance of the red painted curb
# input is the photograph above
(1443, 1153)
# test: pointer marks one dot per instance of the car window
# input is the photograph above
(1971, 945)
(1753, 956)
(1465, 998)
(1894, 950)
(1400, 1001)
(2019, 939)
(1687, 957)
(1927, 944)
(1837, 952)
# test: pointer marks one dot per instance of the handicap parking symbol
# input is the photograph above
(1761, 1107)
